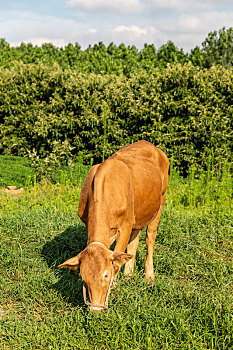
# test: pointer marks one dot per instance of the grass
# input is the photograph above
(188, 306)
(15, 171)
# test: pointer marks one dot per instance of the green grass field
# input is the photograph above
(188, 306)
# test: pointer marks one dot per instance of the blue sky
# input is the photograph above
(133, 22)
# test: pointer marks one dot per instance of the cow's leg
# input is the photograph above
(132, 249)
(151, 234)
(121, 244)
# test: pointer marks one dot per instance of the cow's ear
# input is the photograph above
(72, 263)
(121, 258)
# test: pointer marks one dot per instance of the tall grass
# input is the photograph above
(209, 190)
(188, 306)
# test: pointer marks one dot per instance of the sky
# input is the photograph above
(132, 22)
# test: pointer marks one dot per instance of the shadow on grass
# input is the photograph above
(64, 246)
(68, 244)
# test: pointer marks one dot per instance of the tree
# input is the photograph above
(218, 48)
(169, 53)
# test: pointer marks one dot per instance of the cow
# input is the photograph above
(119, 197)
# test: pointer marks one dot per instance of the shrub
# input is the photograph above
(184, 110)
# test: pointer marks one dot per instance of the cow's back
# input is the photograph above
(148, 167)
(142, 149)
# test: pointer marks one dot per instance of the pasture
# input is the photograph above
(188, 306)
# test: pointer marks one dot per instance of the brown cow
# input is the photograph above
(118, 198)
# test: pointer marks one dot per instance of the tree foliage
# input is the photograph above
(182, 109)
(99, 59)
(216, 49)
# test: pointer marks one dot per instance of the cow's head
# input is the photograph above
(98, 268)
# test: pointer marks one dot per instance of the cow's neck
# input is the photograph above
(98, 225)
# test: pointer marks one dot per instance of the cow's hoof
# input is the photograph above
(150, 276)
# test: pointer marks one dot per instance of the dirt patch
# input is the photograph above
(12, 190)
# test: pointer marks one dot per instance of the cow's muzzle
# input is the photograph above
(97, 307)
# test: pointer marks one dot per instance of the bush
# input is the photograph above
(184, 110)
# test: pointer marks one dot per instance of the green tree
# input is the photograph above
(218, 48)
(169, 53)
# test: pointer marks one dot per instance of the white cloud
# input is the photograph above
(189, 22)
(139, 6)
(120, 6)
(129, 35)
(29, 27)
(136, 35)
(91, 30)
(189, 30)
(39, 41)
(205, 20)
(155, 5)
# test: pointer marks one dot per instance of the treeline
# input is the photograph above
(216, 49)
(51, 111)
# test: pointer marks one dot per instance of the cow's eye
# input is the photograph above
(105, 275)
